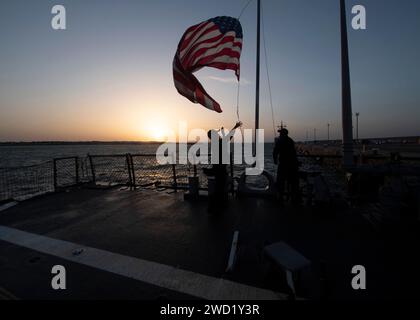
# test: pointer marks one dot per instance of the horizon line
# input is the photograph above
(156, 141)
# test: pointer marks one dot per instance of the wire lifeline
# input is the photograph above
(244, 8)
(267, 72)
(239, 82)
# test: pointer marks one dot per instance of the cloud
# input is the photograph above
(229, 80)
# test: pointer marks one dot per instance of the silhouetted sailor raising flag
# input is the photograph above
(213, 43)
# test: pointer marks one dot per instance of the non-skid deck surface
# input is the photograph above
(146, 244)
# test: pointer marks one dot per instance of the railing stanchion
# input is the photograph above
(76, 162)
(130, 179)
(174, 177)
(55, 174)
(175, 182)
(132, 171)
(92, 169)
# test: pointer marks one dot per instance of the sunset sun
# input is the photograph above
(155, 132)
(158, 133)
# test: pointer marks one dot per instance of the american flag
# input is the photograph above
(213, 43)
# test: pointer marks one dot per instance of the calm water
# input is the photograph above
(18, 156)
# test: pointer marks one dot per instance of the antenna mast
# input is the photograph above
(346, 92)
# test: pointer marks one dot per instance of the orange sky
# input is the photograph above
(109, 75)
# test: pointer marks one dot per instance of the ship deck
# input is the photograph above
(150, 244)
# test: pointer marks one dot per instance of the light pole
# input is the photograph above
(315, 135)
(328, 132)
(357, 126)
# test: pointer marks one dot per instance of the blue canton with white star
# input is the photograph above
(227, 24)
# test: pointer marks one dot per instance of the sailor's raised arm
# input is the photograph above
(232, 132)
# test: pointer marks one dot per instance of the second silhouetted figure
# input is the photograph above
(284, 155)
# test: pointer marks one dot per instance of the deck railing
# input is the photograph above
(22, 182)
(131, 170)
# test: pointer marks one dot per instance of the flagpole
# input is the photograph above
(257, 82)
(347, 118)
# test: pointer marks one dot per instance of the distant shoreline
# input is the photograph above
(60, 143)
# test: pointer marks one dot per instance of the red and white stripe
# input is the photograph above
(203, 45)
